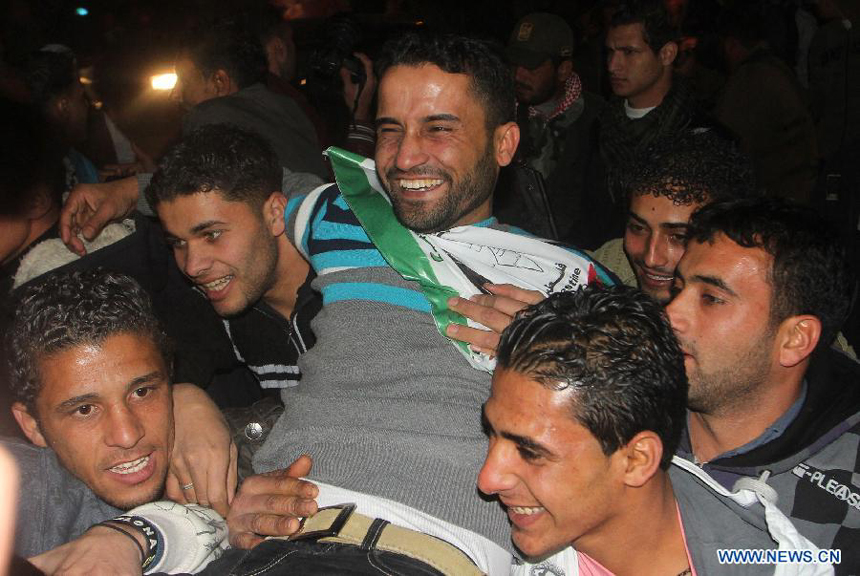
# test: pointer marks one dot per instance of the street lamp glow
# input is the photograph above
(163, 81)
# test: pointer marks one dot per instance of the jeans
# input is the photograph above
(308, 557)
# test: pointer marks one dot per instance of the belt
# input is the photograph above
(342, 524)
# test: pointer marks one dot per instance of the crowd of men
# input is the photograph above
(422, 386)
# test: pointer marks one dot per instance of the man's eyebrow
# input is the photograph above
(386, 120)
(204, 225)
(431, 118)
(527, 443)
(671, 225)
(675, 225)
(75, 400)
(713, 281)
(636, 217)
(442, 118)
(153, 376)
(485, 423)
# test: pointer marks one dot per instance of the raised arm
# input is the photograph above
(204, 460)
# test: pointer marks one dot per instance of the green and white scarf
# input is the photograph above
(456, 262)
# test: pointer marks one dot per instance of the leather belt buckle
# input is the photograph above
(328, 521)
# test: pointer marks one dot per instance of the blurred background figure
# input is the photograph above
(558, 137)
(764, 105)
(53, 79)
(276, 36)
(220, 72)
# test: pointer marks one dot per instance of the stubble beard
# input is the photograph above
(473, 190)
(154, 495)
(731, 388)
(258, 279)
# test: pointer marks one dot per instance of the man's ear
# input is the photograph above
(29, 425)
(564, 70)
(222, 82)
(642, 457)
(276, 51)
(273, 213)
(797, 337)
(40, 204)
(668, 53)
(58, 108)
(506, 138)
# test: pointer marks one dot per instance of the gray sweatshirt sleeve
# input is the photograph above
(54, 506)
(293, 183)
(143, 180)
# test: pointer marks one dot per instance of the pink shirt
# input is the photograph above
(590, 567)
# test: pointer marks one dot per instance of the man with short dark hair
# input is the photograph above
(90, 369)
(651, 104)
(587, 407)
(218, 195)
(760, 294)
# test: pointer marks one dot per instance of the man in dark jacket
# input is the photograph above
(651, 104)
(760, 294)
(557, 121)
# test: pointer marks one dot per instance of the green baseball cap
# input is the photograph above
(538, 37)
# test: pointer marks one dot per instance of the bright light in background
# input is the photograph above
(163, 81)
(81, 11)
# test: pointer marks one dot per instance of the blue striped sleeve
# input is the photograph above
(404, 297)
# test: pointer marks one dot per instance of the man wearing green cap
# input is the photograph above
(556, 119)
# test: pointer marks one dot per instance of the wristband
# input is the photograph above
(107, 524)
(150, 534)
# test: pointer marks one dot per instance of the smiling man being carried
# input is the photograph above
(389, 407)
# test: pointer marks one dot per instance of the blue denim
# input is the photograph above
(308, 557)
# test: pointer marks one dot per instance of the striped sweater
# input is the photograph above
(387, 405)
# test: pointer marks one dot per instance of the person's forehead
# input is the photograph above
(426, 87)
(545, 67)
(630, 35)
(187, 210)
(524, 406)
(97, 368)
(660, 209)
(521, 407)
(743, 269)
(186, 67)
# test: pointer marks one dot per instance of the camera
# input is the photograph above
(342, 36)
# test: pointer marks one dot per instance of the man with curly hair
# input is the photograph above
(663, 188)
